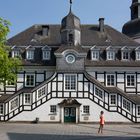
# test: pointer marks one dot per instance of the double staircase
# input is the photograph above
(45, 92)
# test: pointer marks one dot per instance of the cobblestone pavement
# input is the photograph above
(16, 131)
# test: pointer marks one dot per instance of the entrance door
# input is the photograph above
(70, 114)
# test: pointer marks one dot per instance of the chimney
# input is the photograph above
(101, 24)
(45, 30)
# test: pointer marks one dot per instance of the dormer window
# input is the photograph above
(110, 55)
(30, 52)
(15, 53)
(46, 53)
(125, 53)
(137, 53)
(95, 53)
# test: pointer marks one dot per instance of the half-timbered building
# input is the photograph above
(71, 72)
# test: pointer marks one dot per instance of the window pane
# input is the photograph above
(53, 109)
(14, 103)
(98, 92)
(27, 98)
(110, 80)
(1, 109)
(130, 80)
(113, 99)
(86, 109)
(126, 105)
(70, 82)
(30, 81)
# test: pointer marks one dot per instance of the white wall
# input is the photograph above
(43, 113)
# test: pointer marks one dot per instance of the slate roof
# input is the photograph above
(90, 35)
(69, 102)
(111, 63)
(4, 97)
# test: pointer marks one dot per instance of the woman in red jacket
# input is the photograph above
(102, 122)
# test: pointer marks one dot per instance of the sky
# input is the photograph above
(24, 13)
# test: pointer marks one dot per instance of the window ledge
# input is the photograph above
(53, 114)
(86, 114)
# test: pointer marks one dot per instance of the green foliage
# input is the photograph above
(8, 66)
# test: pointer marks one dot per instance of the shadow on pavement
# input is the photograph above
(111, 130)
(22, 136)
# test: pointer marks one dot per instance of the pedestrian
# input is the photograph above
(102, 122)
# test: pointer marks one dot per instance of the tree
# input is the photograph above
(8, 66)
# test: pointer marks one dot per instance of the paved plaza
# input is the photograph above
(17, 131)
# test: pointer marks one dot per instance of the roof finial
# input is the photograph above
(70, 5)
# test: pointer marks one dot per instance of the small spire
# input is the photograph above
(70, 5)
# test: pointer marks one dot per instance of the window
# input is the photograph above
(125, 55)
(27, 98)
(46, 55)
(110, 55)
(86, 109)
(126, 105)
(138, 111)
(113, 99)
(14, 103)
(70, 58)
(15, 53)
(30, 80)
(1, 109)
(30, 54)
(130, 81)
(110, 80)
(95, 55)
(98, 92)
(70, 82)
(71, 38)
(53, 109)
(41, 92)
(138, 55)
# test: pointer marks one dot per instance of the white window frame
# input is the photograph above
(26, 80)
(70, 82)
(111, 100)
(15, 53)
(29, 54)
(138, 110)
(126, 105)
(130, 80)
(53, 109)
(41, 92)
(1, 109)
(137, 55)
(86, 109)
(25, 101)
(124, 55)
(110, 55)
(95, 55)
(14, 105)
(46, 54)
(110, 80)
(97, 95)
